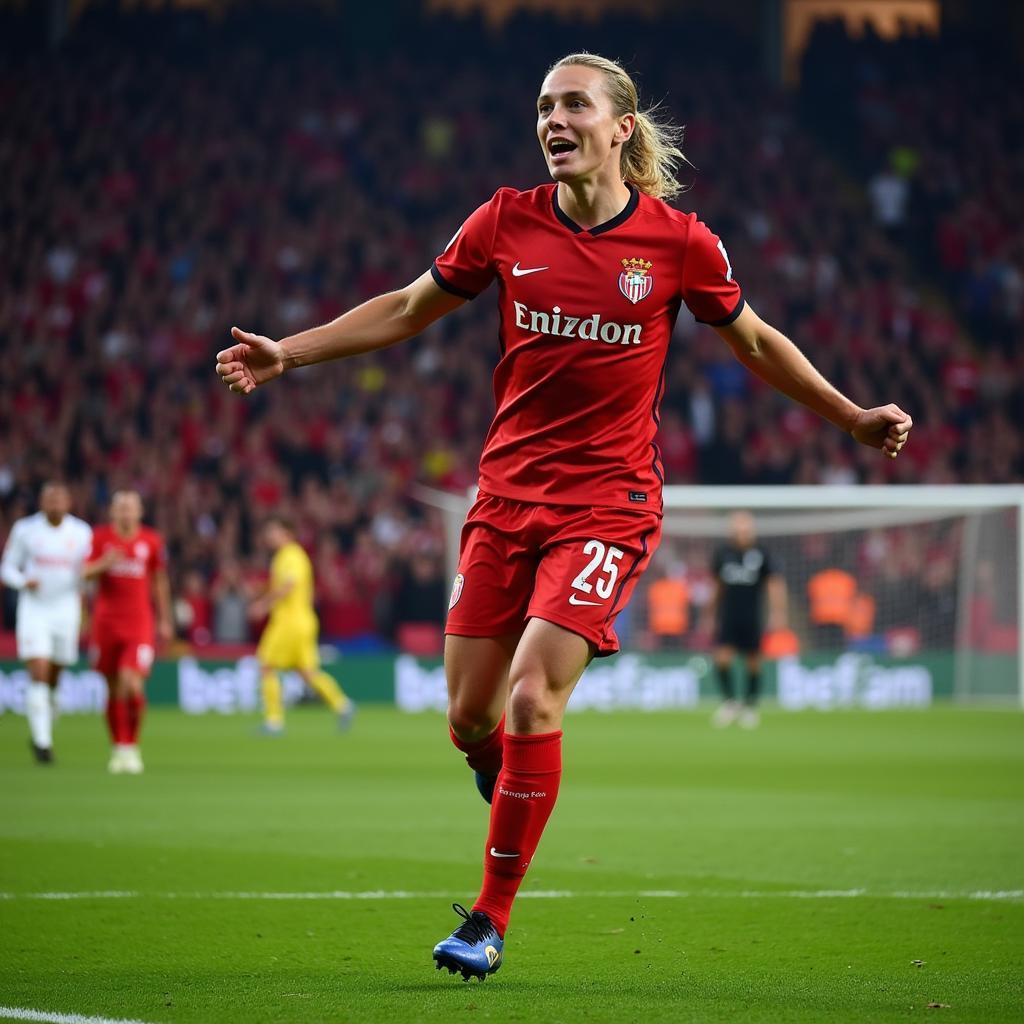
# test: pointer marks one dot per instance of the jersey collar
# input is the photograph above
(623, 215)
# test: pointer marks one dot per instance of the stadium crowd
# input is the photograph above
(151, 196)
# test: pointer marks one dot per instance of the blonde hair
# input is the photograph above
(651, 155)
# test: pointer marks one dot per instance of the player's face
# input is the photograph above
(126, 511)
(55, 502)
(579, 132)
(742, 524)
(274, 535)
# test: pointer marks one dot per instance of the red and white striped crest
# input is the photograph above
(456, 590)
(635, 281)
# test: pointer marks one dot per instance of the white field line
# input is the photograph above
(542, 894)
(20, 1013)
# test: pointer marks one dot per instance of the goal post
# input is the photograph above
(942, 566)
(937, 586)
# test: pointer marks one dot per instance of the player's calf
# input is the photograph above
(484, 756)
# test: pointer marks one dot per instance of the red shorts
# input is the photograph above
(571, 565)
(109, 654)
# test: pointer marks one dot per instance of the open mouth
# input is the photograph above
(560, 147)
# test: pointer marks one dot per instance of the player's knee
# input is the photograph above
(469, 722)
(38, 670)
(534, 706)
(129, 684)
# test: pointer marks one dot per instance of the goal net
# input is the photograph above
(892, 595)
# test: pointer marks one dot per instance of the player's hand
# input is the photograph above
(106, 560)
(165, 632)
(885, 427)
(31, 585)
(253, 361)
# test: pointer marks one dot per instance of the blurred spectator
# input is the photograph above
(668, 607)
(421, 594)
(230, 598)
(831, 595)
(193, 609)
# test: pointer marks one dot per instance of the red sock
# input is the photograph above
(118, 720)
(523, 800)
(136, 712)
(483, 756)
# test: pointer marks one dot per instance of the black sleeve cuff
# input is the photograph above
(729, 319)
(448, 287)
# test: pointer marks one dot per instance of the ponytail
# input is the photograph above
(651, 155)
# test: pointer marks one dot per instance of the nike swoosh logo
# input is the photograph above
(573, 599)
(494, 853)
(516, 272)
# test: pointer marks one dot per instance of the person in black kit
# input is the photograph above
(743, 573)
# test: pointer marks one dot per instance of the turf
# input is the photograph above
(749, 831)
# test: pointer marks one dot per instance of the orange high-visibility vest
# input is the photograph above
(831, 594)
(862, 616)
(780, 643)
(668, 607)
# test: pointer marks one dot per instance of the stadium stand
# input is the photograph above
(153, 195)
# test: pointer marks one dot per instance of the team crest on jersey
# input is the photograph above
(456, 590)
(635, 281)
(141, 549)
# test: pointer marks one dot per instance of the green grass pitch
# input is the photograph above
(842, 867)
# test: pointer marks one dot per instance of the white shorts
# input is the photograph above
(52, 637)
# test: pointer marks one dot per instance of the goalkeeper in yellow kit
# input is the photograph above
(289, 641)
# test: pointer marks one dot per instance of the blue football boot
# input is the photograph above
(485, 783)
(474, 948)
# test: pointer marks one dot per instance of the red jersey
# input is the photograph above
(124, 605)
(586, 320)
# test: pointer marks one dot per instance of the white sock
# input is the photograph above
(40, 714)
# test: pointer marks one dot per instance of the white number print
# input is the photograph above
(725, 256)
(144, 657)
(604, 583)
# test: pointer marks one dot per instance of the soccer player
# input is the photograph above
(131, 565)
(744, 572)
(289, 640)
(43, 560)
(591, 271)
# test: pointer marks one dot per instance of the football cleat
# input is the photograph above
(726, 713)
(485, 783)
(474, 949)
(132, 760)
(116, 764)
(345, 716)
(43, 755)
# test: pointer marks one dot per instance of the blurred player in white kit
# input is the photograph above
(42, 561)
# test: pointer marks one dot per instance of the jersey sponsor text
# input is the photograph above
(590, 328)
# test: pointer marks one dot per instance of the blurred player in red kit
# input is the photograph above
(592, 271)
(129, 561)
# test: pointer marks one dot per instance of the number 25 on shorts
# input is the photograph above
(605, 556)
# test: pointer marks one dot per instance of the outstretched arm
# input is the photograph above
(775, 359)
(375, 324)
